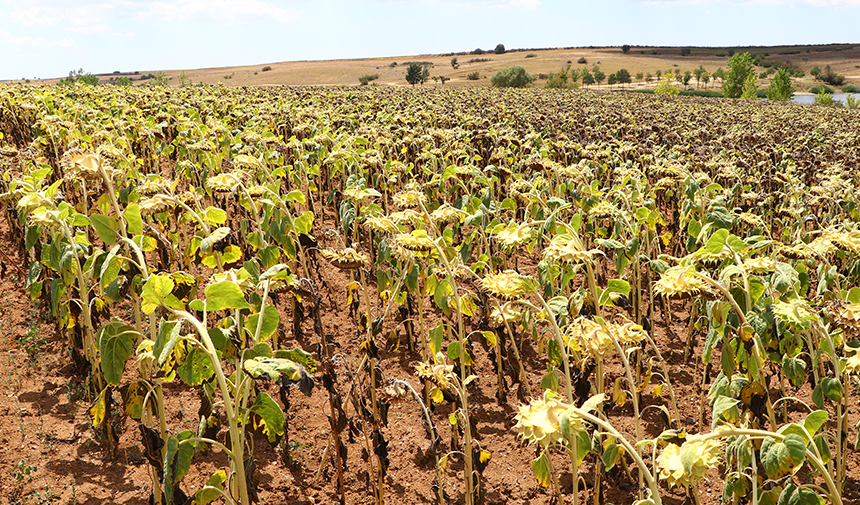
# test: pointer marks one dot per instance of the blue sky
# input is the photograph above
(48, 38)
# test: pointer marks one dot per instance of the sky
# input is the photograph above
(49, 38)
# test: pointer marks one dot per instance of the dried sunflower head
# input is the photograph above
(603, 210)
(852, 364)
(441, 375)
(408, 216)
(382, 224)
(346, 259)
(357, 194)
(225, 182)
(845, 316)
(680, 282)
(514, 236)
(705, 454)
(847, 241)
(409, 199)
(445, 214)
(800, 251)
(569, 249)
(507, 313)
(705, 257)
(796, 313)
(239, 277)
(507, 285)
(46, 219)
(156, 204)
(760, 265)
(417, 241)
(539, 421)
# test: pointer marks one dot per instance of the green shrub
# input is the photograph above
(514, 77)
(582, 60)
(364, 79)
(851, 88)
(122, 81)
(267, 68)
(664, 88)
(826, 99)
(821, 88)
(474, 76)
(500, 49)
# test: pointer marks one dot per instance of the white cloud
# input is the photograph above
(27, 43)
(225, 11)
(794, 3)
(100, 16)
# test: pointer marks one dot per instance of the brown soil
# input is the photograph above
(54, 456)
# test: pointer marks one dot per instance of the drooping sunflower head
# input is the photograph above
(409, 199)
(345, 259)
(538, 422)
(445, 214)
(507, 313)
(507, 285)
(706, 454)
(681, 282)
(382, 224)
(570, 250)
(417, 241)
(440, 374)
(224, 183)
(156, 204)
(514, 236)
(795, 312)
(760, 265)
(845, 316)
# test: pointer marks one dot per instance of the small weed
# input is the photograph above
(22, 471)
(49, 496)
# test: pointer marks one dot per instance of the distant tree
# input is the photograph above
(780, 89)
(514, 77)
(685, 51)
(699, 72)
(735, 81)
(587, 77)
(648, 77)
(815, 72)
(79, 76)
(122, 81)
(454, 63)
(561, 79)
(160, 79)
(623, 77)
(417, 73)
(599, 76)
(582, 60)
(659, 73)
(665, 88)
(750, 88)
(184, 80)
(500, 49)
(612, 79)
(686, 79)
(640, 76)
(719, 74)
(625, 48)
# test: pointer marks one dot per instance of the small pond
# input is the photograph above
(836, 96)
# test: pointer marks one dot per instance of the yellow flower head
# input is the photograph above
(508, 285)
(507, 314)
(513, 236)
(415, 242)
(795, 313)
(441, 375)
(409, 199)
(539, 420)
(445, 214)
(680, 282)
(225, 182)
(346, 259)
(408, 216)
(569, 249)
(845, 316)
(382, 225)
(761, 265)
(156, 204)
(706, 454)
